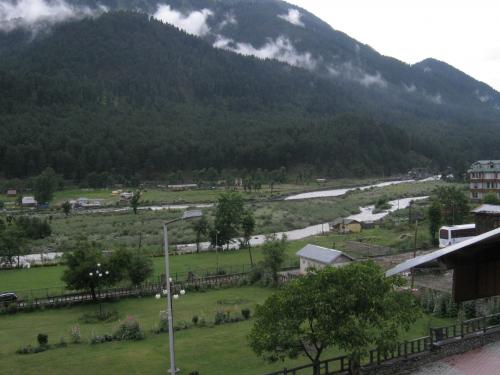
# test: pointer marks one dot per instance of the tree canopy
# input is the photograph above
(454, 204)
(353, 308)
(228, 215)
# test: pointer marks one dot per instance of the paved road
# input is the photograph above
(482, 361)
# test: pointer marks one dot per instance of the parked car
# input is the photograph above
(7, 297)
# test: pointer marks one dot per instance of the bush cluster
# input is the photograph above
(43, 345)
(96, 339)
(223, 317)
(105, 316)
(129, 329)
(439, 304)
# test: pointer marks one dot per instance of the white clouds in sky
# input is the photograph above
(293, 16)
(463, 33)
(194, 23)
(30, 14)
(280, 49)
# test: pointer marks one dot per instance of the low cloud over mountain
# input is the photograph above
(33, 14)
(194, 23)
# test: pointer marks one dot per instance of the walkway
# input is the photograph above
(482, 361)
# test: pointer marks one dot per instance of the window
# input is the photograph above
(457, 233)
(443, 234)
(474, 194)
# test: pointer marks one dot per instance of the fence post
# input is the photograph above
(406, 349)
(431, 337)
(485, 324)
(462, 334)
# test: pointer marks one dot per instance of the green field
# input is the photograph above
(34, 281)
(212, 351)
(165, 196)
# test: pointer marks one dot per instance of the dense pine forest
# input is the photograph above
(128, 95)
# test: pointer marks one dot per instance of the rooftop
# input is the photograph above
(344, 221)
(319, 254)
(485, 165)
(484, 238)
(487, 209)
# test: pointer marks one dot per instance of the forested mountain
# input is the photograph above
(125, 94)
(275, 29)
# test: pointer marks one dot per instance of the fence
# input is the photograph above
(148, 288)
(401, 350)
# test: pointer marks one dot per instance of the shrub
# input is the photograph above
(246, 313)
(11, 308)
(96, 339)
(220, 318)
(195, 320)
(129, 330)
(105, 316)
(39, 349)
(181, 325)
(62, 343)
(42, 339)
(451, 307)
(470, 310)
(76, 337)
(493, 308)
(202, 322)
(440, 306)
(27, 349)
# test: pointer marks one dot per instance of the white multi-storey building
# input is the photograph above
(484, 177)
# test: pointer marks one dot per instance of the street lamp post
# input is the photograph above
(187, 215)
(98, 276)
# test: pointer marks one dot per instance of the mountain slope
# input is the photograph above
(127, 94)
(278, 30)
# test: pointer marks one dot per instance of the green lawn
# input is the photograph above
(212, 351)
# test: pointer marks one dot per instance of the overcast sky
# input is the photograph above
(465, 34)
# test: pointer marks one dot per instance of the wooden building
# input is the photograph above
(346, 226)
(486, 217)
(475, 264)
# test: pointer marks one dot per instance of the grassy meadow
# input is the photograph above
(124, 228)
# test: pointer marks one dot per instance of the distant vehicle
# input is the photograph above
(7, 297)
(455, 234)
